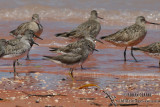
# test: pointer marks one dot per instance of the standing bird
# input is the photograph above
(92, 26)
(75, 57)
(18, 50)
(33, 25)
(29, 33)
(76, 47)
(152, 50)
(129, 36)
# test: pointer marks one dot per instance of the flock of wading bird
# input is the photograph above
(76, 53)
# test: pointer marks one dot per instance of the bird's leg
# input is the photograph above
(82, 67)
(132, 54)
(125, 54)
(71, 73)
(15, 74)
(159, 63)
(27, 56)
(18, 63)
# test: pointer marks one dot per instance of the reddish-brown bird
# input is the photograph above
(129, 36)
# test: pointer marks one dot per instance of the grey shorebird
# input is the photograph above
(75, 57)
(76, 47)
(92, 26)
(152, 50)
(33, 25)
(29, 33)
(16, 50)
(129, 36)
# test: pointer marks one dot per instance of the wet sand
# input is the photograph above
(104, 68)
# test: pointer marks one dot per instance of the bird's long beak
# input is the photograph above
(38, 37)
(99, 17)
(37, 21)
(34, 42)
(94, 49)
(152, 23)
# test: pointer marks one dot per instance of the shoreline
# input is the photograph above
(104, 68)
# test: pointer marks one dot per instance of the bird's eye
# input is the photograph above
(142, 20)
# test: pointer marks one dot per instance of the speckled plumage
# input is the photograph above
(3, 42)
(15, 50)
(33, 25)
(75, 47)
(91, 26)
(75, 54)
(152, 50)
(28, 33)
(129, 36)
(71, 60)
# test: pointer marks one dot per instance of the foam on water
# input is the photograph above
(141, 74)
(49, 13)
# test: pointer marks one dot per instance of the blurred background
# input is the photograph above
(114, 12)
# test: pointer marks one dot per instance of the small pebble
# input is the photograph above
(63, 79)
(37, 101)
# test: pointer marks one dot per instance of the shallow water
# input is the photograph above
(104, 68)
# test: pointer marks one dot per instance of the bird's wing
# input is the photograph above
(127, 34)
(13, 42)
(66, 58)
(20, 29)
(73, 46)
(2, 51)
(91, 27)
(152, 48)
(17, 49)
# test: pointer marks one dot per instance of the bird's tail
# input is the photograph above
(61, 34)
(136, 48)
(47, 57)
(105, 37)
(65, 34)
(13, 32)
(53, 49)
(52, 58)
(108, 37)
